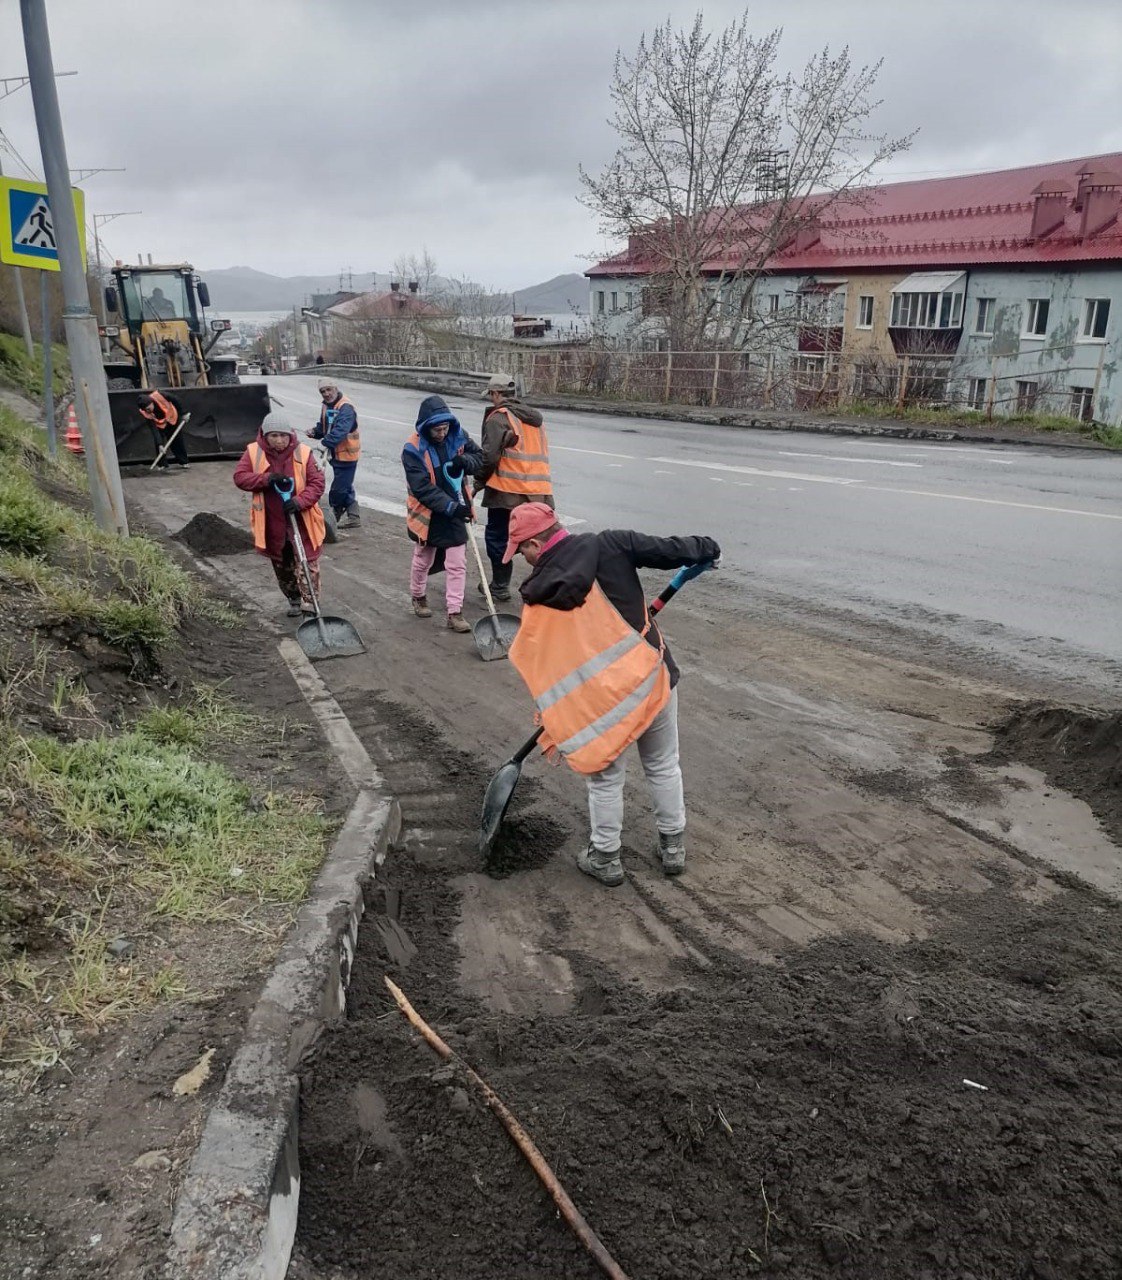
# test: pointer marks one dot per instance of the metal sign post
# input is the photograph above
(58, 224)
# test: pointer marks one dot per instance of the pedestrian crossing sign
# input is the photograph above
(27, 229)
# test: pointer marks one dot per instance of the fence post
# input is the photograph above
(533, 366)
(716, 376)
(902, 386)
(768, 379)
(669, 367)
(626, 373)
(556, 371)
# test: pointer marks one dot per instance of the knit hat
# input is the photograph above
(276, 422)
(499, 382)
(527, 521)
(324, 383)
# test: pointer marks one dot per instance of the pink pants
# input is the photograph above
(455, 569)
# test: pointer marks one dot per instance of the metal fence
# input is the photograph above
(738, 380)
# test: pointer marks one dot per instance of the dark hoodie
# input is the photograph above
(564, 574)
(281, 462)
(446, 527)
(497, 434)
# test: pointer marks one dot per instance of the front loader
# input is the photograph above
(163, 341)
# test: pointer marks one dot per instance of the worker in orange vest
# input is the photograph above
(600, 673)
(162, 414)
(338, 429)
(515, 470)
(275, 456)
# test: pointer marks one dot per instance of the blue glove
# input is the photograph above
(455, 468)
(690, 571)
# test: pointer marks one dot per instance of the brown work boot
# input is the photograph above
(421, 607)
(456, 623)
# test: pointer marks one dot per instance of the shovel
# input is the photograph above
(322, 636)
(170, 441)
(500, 790)
(493, 635)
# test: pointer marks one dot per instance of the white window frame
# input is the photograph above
(928, 310)
(985, 311)
(862, 299)
(1032, 318)
(1026, 401)
(601, 300)
(1083, 403)
(977, 395)
(615, 301)
(773, 304)
(1090, 312)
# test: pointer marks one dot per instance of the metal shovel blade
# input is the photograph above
(493, 635)
(328, 637)
(499, 792)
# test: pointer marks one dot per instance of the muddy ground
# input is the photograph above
(758, 1069)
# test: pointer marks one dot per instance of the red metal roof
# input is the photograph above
(972, 220)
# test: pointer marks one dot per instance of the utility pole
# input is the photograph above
(8, 86)
(90, 394)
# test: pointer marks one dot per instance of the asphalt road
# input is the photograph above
(1012, 553)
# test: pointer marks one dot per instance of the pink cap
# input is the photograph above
(526, 521)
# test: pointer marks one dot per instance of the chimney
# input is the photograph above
(1049, 208)
(395, 287)
(414, 286)
(1101, 194)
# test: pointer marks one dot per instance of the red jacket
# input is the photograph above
(276, 522)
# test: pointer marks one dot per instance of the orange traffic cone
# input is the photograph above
(73, 434)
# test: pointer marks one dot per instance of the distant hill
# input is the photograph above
(560, 296)
(246, 289)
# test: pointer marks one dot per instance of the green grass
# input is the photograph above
(26, 376)
(1109, 436)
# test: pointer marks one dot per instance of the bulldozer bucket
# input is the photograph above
(224, 419)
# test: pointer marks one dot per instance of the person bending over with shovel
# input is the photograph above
(436, 458)
(599, 670)
(274, 460)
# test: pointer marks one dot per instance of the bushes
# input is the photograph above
(28, 522)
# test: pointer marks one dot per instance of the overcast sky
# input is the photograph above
(302, 136)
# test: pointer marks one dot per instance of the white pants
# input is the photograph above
(658, 751)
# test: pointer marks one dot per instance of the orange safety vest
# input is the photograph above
(596, 681)
(417, 516)
(165, 406)
(348, 449)
(523, 467)
(311, 518)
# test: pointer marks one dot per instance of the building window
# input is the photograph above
(773, 304)
(926, 310)
(615, 300)
(1036, 325)
(1026, 397)
(976, 394)
(865, 311)
(629, 299)
(983, 318)
(1083, 403)
(1096, 314)
(600, 302)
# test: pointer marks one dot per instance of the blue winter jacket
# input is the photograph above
(340, 423)
(446, 527)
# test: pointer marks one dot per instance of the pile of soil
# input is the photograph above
(804, 1119)
(210, 535)
(1076, 749)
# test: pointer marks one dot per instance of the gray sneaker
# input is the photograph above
(605, 867)
(672, 851)
(294, 607)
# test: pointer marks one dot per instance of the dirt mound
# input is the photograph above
(1076, 749)
(210, 535)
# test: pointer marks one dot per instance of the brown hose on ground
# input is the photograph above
(522, 1139)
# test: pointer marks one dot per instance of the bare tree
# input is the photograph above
(415, 267)
(723, 160)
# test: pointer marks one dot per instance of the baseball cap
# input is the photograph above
(499, 382)
(527, 521)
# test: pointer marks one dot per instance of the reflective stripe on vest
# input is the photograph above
(311, 518)
(347, 450)
(523, 467)
(418, 517)
(596, 681)
(167, 409)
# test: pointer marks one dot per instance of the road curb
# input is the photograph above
(235, 1216)
(446, 382)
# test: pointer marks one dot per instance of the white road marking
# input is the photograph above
(992, 502)
(664, 473)
(599, 453)
(831, 457)
(759, 471)
(931, 448)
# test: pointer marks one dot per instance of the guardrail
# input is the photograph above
(422, 377)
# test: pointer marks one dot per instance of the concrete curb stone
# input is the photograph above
(235, 1216)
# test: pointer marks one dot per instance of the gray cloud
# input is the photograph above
(305, 135)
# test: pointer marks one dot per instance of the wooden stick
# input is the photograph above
(522, 1139)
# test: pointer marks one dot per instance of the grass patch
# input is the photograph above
(26, 375)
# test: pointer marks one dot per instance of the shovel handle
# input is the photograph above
(528, 746)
